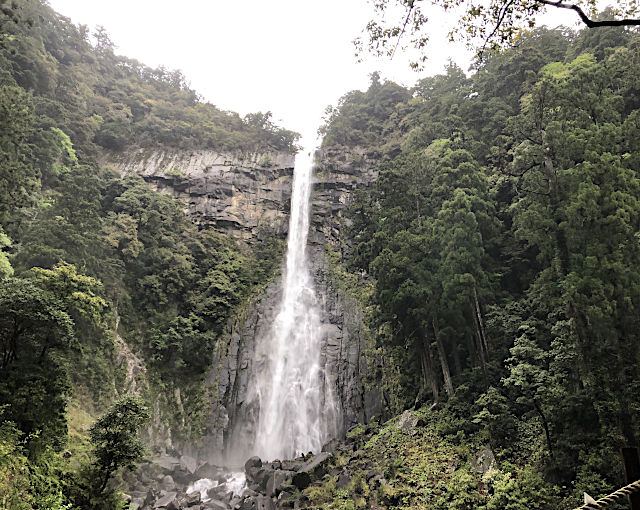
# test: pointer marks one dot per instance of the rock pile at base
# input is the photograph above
(279, 484)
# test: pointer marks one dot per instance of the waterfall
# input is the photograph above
(297, 408)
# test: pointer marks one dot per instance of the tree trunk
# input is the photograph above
(457, 364)
(545, 425)
(442, 354)
(482, 354)
(471, 347)
(429, 372)
(481, 330)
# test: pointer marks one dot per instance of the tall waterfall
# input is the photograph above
(298, 411)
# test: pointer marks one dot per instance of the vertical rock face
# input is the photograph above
(239, 195)
(339, 173)
(231, 428)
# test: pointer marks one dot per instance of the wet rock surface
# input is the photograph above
(173, 483)
(290, 482)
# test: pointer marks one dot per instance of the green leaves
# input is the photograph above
(115, 437)
(18, 180)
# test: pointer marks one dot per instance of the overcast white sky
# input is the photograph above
(292, 57)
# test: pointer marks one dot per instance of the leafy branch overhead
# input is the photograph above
(493, 24)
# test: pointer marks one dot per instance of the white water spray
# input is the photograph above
(298, 411)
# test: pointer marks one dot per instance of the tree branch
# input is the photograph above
(501, 14)
(404, 27)
(588, 21)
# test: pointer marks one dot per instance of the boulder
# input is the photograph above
(167, 483)
(276, 479)
(164, 501)
(258, 476)
(249, 493)
(317, 466)
(214, 504)
(253, 462)
(343, 481)
(207, 471)
(285, 500)
(258, 502)
(167, 462)
(483, 461)
(150, 498)
(276, 464)
(264, 503)
(189, 463)
(331, 446)
(174, 505)
(292, 465)
(192, 499)
(301, 480)
(409, 423)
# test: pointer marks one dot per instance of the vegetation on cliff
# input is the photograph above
(83, 252)
(502, 239)
(500, 245)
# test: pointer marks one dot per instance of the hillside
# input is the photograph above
(499, 245)
(472, 251)
(107, 286)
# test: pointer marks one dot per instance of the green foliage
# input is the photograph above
(462, 492)
(24, 484)
(100, 99)
(486, 25)
(524, 490)
(86, 256)
(115, 437)
(17, 179)
(5, 265)
(501, 239)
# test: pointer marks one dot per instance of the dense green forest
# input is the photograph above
(83, 250)
(495, 257)
(500, 245)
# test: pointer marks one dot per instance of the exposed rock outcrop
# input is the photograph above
(238, 193)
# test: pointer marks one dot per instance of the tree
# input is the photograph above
(17, 179)
(35, 331)
(115, 437)
(496, 23)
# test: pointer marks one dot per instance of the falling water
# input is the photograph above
(297, 407)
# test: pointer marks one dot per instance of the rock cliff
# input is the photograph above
(237, 193)
(240, 195)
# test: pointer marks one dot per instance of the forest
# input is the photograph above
(494, 258)
(499, 246)
(84, 251)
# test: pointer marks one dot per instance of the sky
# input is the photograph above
(290, 57)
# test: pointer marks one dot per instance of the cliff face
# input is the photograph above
(240, 195)
(237, 193)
